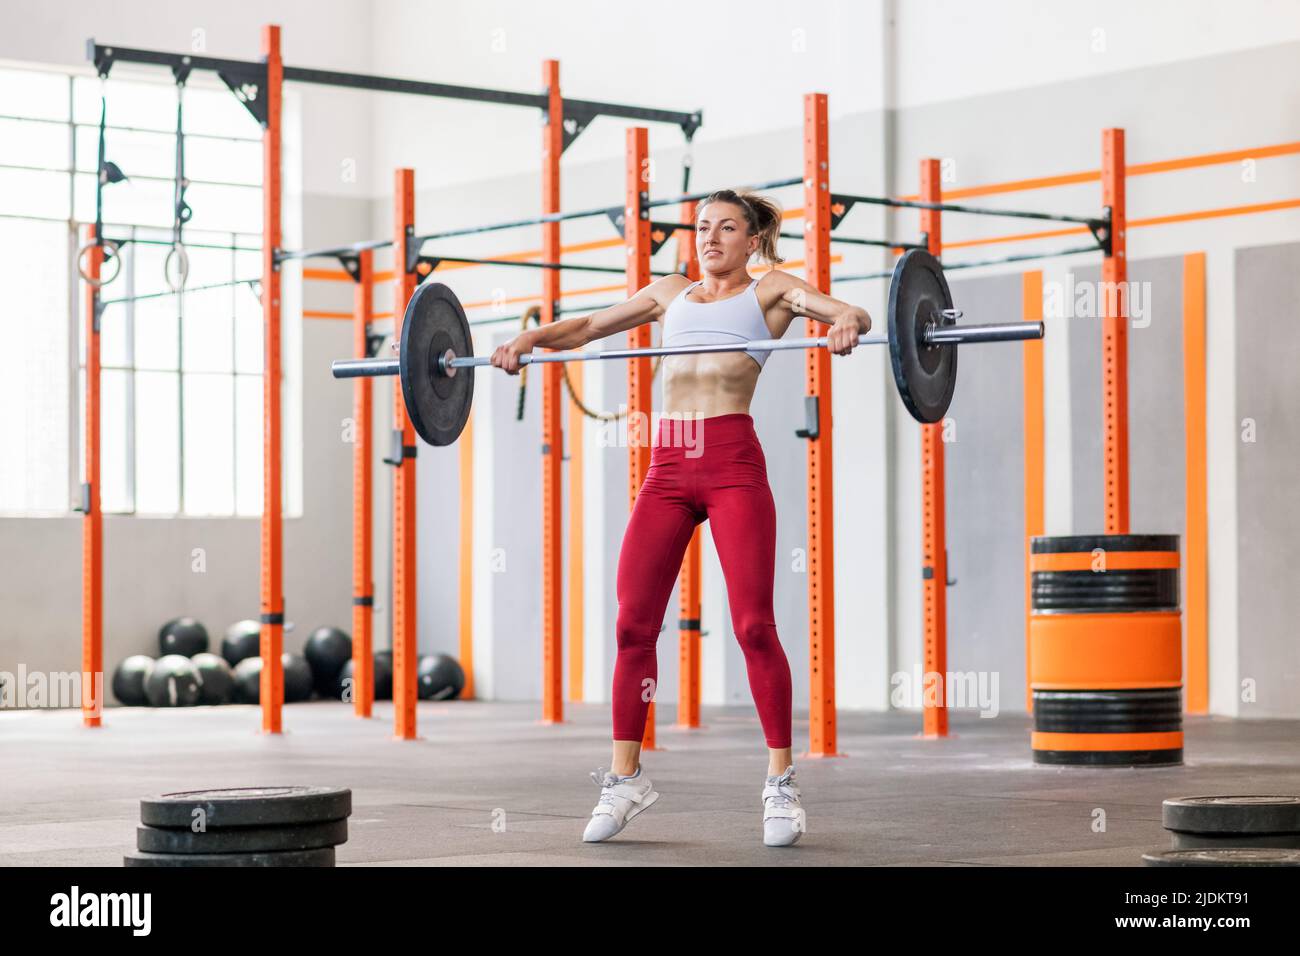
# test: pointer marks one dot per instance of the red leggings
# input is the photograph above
(710, 468)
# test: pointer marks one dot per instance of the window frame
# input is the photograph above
(238, 241)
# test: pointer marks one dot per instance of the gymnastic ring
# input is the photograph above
(111, 254)
(177, 252)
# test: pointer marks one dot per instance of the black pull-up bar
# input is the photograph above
(238, 74)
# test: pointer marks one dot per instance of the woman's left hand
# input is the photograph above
(843, 335)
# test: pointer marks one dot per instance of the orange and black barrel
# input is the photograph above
(1105, 650)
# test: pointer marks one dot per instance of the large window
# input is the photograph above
(181, 388)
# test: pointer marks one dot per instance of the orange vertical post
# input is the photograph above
(1196, 597)
(688, 664)
(1031, 291)
(405, 635)
(934, 553)
(577, 600)
(688, 580)
(465, 449)
(1114, 341)
(363, 583)
(272, 636)
(577, 623)
(552, 432)
(92, 517)
(636, 241)
(822, 730)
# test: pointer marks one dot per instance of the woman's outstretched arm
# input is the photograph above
(648, 305)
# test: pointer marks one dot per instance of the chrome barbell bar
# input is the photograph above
(934, 334)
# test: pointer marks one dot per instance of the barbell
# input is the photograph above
(922, 337)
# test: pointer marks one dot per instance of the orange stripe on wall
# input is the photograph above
(1196, 578)
(529, 255)
(1216, 213)
(1134, 223)
(1136, 169)
(524, 255)
(1213, 159)
(1021, 185)
(327, 275)
(318, 314)
(1017, 237)
(537, 297)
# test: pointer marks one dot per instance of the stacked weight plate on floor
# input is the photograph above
(1105, 650)
(247, 826)
(1196, 823)
(1228, 856)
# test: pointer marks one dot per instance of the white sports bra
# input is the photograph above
(736, 319)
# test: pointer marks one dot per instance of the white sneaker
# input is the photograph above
(621, 799)
(783, 817)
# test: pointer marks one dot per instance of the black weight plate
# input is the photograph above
(247, 807)
(1206, 841)
(437, 404)
(1232, 814)
(1074, 543)
(925, 374)
(1229, 856)
(320, 857)
(1152, 589)
(308, 836)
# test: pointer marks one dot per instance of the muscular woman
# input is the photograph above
(706, 463)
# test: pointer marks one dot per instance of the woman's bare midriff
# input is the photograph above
(709, 384)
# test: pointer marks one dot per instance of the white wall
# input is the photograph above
(746, 67)
(953, 49)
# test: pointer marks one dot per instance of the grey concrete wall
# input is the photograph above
(1157, 452)
(985, 497)
(438, 517)
(1268, 473)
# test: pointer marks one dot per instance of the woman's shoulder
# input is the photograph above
(772, 286)
(776, 279)
(669, 287)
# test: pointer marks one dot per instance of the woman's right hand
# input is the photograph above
(507, 355)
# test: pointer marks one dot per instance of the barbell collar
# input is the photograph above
(365, 368)
(975, 334)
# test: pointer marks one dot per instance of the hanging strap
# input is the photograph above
(181, 209)
(101, 174)
(105, 172)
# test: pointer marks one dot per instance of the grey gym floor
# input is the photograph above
(70, 795)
